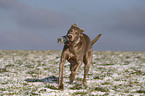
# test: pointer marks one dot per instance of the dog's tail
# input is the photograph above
(92, 42)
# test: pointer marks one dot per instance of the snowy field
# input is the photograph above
(111, 73)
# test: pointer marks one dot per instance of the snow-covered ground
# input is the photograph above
(111, 73)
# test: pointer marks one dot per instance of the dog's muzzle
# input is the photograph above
(64, 40)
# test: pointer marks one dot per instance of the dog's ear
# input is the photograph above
(82, 30)
(75, 25)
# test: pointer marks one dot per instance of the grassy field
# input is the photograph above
(111, 73)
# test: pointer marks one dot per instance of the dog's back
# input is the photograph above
(87, 43)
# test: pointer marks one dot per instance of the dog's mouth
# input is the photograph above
(64, 40)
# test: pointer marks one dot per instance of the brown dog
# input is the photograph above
(77, 50)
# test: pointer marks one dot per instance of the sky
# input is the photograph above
(36, 24)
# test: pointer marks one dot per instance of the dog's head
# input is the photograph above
(75, 33)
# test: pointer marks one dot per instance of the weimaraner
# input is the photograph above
(77, 50)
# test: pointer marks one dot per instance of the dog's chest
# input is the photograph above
(72, 58)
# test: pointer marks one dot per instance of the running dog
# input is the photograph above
(77, 50)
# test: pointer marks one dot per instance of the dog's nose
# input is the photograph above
(69, 36)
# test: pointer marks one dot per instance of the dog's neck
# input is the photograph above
(76, 43)
(73, 48)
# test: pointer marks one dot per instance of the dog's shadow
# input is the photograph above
(48, 81)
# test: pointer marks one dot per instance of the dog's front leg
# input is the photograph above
(61, 68)
(74, 70)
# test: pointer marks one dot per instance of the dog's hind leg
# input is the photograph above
(87, 61)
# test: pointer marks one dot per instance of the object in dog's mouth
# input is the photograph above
(64, 40)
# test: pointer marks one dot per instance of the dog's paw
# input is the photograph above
(61, 87)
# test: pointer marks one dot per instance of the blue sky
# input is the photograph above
(36, 24)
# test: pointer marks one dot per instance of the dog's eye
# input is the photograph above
(76, 32)
(70, 30)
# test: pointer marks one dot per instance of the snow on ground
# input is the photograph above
(111, 73)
